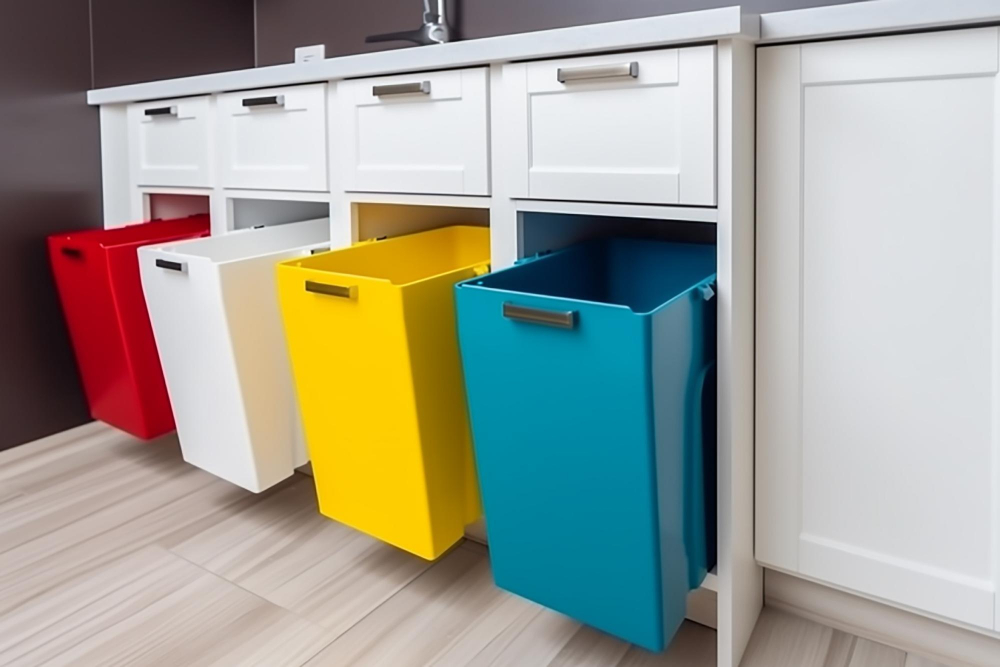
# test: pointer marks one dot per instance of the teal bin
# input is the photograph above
(586, 371)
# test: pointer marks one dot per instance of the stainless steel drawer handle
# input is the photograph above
(565, 319)
(331, 290)
(415, 88)
(267, 101)
(564, 74)
(172, 266)
(161, 111)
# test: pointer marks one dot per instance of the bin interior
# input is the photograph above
(639, 274)
(407, 259)
(140, 234)
(255, 242)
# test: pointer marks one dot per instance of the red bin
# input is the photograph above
(97, 276)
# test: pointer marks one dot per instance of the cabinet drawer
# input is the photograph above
(274, 139)
(170, 142)
(416, 133)
(632, 127)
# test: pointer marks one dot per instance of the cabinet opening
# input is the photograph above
(541, 232)
(376, 220)
(162, 206)
(247, 213)
(544, 232)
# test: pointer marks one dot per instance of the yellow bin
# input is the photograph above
(374, 351)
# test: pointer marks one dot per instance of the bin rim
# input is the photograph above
(473, 283)
(174, 247)
(183, 228)
(295, 263)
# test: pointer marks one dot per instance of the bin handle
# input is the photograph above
(565, 319)
(75, 253)
(349, 292)
(266, 101)
(172, 266)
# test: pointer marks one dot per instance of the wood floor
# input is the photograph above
(115, 552)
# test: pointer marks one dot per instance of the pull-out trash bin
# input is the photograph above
(371, 331)
(584, 370)
(97, 277)
(214, 308)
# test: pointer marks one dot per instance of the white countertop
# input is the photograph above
(860, 18)
(653, 32)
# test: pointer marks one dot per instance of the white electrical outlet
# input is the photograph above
(307, 54)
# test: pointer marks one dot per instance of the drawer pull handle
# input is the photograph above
(316, 251)
(268, 101)
(552, 318)
(172, 266)
(331, 290)
(417, 87)
(75, 253)
(161, 111)
(565, 74)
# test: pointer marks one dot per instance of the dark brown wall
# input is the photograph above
(49, 181)
(50, 169)
(342, 25)
(145, 40)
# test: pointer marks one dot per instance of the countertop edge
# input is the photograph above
(857, 19)
(633, 34)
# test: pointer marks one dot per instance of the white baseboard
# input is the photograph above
(476, 531)
(703, 607)
(905, 630)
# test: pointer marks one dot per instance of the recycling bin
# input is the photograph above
(214, 307)
(585, 371)
(97, 277)
(371, 332)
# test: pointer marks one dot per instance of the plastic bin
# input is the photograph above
(214, 308)
(97, 277)
(584, 370)
(371, 330)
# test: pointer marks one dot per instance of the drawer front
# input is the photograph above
(633, 127)
(274, 139)
(170, 142)
(424, 133)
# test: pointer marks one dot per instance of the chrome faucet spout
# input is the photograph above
(433, 31)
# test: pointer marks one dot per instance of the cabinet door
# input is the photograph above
(274, 139)
(878, 323)
(424, 133)
(170, 142)
(628, 127)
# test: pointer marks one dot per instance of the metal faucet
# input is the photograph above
(433, 31)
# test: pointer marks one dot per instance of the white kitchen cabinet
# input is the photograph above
(170, 142)
(628, 127)
(274, 139)
(415, 133)
(878, 320)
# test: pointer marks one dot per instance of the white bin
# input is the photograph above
(214, 308)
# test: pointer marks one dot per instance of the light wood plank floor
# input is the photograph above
(115, 552)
